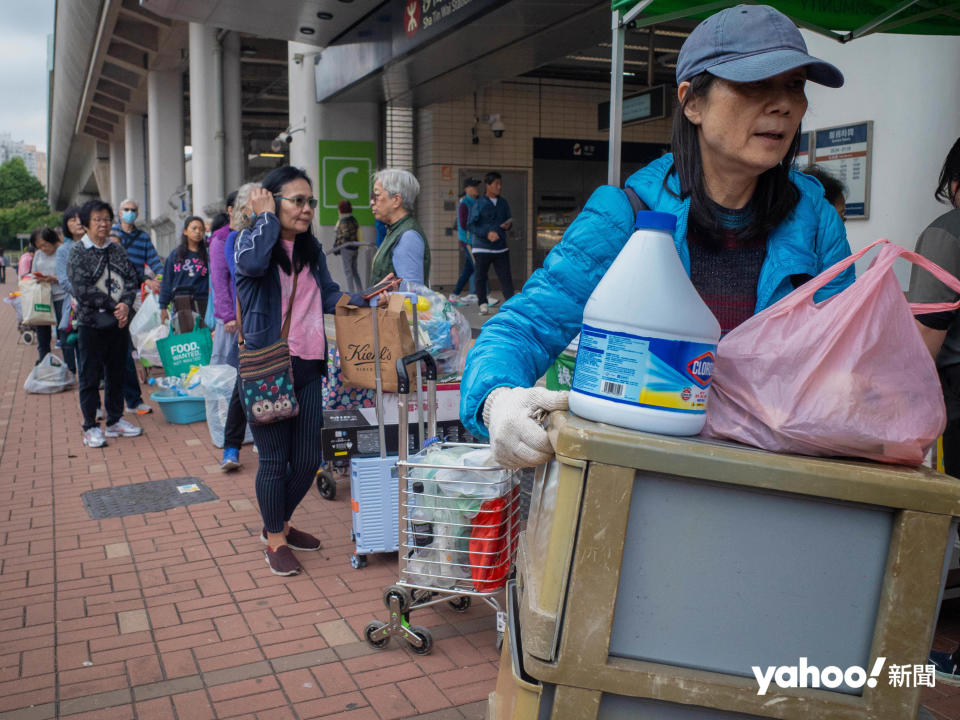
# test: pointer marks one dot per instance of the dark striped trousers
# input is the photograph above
(290, 454)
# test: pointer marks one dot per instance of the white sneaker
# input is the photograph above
(455, 299)
(492, 301)
(467, 299)
(123, 428)
(484, 309)
(99, 414)
(141, 409)
(94, 437)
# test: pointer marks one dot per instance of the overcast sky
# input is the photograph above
(24, 26)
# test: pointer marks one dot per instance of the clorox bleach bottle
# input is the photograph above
(648, 341)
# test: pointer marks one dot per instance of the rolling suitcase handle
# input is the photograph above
(374, 301)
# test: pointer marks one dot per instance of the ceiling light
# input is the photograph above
(307, 30)
(325, 15)
(272, 155)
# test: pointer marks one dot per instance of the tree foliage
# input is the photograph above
(23, 203)
(17, 184)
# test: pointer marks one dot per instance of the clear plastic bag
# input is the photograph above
(444, 331)
(146, 328)
(849, 376)
(215, 383)
(49, 376)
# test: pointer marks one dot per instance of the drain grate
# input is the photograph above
(146, 497)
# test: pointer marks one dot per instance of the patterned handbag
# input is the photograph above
(266, 377)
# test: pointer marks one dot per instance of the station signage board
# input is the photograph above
(845, 152)
(346, 171)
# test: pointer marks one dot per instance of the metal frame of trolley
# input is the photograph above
(467, 552)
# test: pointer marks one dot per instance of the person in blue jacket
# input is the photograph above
(279, 246)
(749, 229)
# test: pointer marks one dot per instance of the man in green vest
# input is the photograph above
(404, 251)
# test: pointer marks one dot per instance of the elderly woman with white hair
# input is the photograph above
(404, 251)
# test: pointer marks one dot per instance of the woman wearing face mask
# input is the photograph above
(187, 268)
(749, 229)
(279, 248)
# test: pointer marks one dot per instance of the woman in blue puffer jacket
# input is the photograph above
(749, 229)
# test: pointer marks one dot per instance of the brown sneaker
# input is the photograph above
(296, 539)
(282, 561)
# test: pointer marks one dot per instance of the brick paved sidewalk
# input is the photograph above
(175, 615)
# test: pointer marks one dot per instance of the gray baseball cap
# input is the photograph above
(747, 43)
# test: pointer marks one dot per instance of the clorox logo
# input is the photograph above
(701, 368)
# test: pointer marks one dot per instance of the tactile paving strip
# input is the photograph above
(146, 497)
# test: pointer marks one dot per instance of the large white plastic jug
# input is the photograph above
(648, 341)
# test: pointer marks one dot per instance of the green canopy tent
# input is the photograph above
(842, 21)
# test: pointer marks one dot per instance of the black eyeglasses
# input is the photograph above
(299, 200)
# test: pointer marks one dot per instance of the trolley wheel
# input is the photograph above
(402, 595)
(326, 485)
(27, 336)
(421, 632)
(370, 629)
(358, 561)
(459, 604)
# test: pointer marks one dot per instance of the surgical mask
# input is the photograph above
(128, 216)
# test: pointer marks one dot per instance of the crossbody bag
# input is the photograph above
(266, 375)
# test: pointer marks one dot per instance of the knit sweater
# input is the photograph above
(101, 278)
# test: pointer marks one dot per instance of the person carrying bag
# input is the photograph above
(283, 290)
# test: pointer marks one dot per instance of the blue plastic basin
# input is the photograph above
(179, 409)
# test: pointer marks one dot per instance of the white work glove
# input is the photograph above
(514, 418)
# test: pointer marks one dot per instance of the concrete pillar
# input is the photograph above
(165, 146)
(327, 121)
(135, 151)
(206, 119)
(118, 174)
(234, 161)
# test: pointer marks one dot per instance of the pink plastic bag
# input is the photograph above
(849, 376)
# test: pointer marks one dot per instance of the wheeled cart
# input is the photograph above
(458, 528)
(655, 572)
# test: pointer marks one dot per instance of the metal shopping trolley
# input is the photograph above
(458, 528)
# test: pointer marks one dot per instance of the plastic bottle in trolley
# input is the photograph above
(420, 519)
(648, 341)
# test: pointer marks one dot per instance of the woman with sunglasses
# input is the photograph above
(279, 246)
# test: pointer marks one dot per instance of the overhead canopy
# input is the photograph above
(843, 21)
